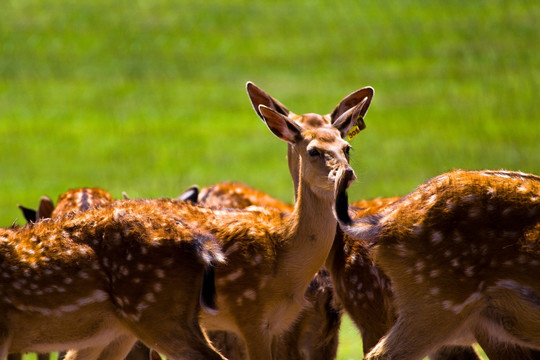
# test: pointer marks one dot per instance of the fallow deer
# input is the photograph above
(361, 286)
(77, 199)
(272, 257)
(463, 254)
(96, 281)
(315, 333)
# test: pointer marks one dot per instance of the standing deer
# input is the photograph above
(78, 199)
(95, 281)
(272, 257)
(463, 254)
(361, 286)
(315, 333)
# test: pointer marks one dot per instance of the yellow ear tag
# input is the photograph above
(358, 126)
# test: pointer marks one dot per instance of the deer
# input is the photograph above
(96, 281)
(362, 287)
(77, 199)
(463, 254)
(272, 257)
(315, 333)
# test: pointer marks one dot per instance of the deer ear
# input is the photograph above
(190, 195)
(45, 209)
(259, 97)
(29, 214)
(351, 118)
(280, 125)
(363, 95)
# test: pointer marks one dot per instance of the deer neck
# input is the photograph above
(313, 228)
(293, 162)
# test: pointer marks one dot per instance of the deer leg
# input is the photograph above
(119, 348)
(416, 334)
(91, 353)
(498, 350)
(43, 356)
(5, 341)
(16, 356)
(455, 353)
(258, 344)
(177, 340)
(139, 352)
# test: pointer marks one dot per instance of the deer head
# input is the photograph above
(78, 199)
(347, 114)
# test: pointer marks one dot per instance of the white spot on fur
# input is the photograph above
(447, 304)
(235, 275)
(472, 298)
(436, 237)
(150, 297)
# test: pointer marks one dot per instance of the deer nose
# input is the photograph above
(349, 175)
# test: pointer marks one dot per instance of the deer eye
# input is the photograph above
(347, 150)
(313, 152)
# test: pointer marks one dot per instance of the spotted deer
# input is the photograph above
(361, 286)
(272, 257)
(95, 281)
(315, 333)
(77, 199)
(463, 254)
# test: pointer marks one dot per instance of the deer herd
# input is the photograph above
(228, 272)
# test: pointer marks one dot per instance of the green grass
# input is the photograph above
(148, 96)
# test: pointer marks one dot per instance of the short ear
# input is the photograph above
(280, 125)
(350, 118)
(191, 194)
(260, 97)
(29, 214)
(351, 101)
(45, 209)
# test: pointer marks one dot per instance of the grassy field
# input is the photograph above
(148, 96)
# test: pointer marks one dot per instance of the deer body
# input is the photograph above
(98, 280)
(463, 254)
(77, 199)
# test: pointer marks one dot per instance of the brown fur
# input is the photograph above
(80, 199)
(314, 334)
(99, 279)
(463, 254)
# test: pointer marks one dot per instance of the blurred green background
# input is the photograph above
(148, 97)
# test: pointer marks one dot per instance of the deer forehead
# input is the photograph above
(326, 137)
(311, 121)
